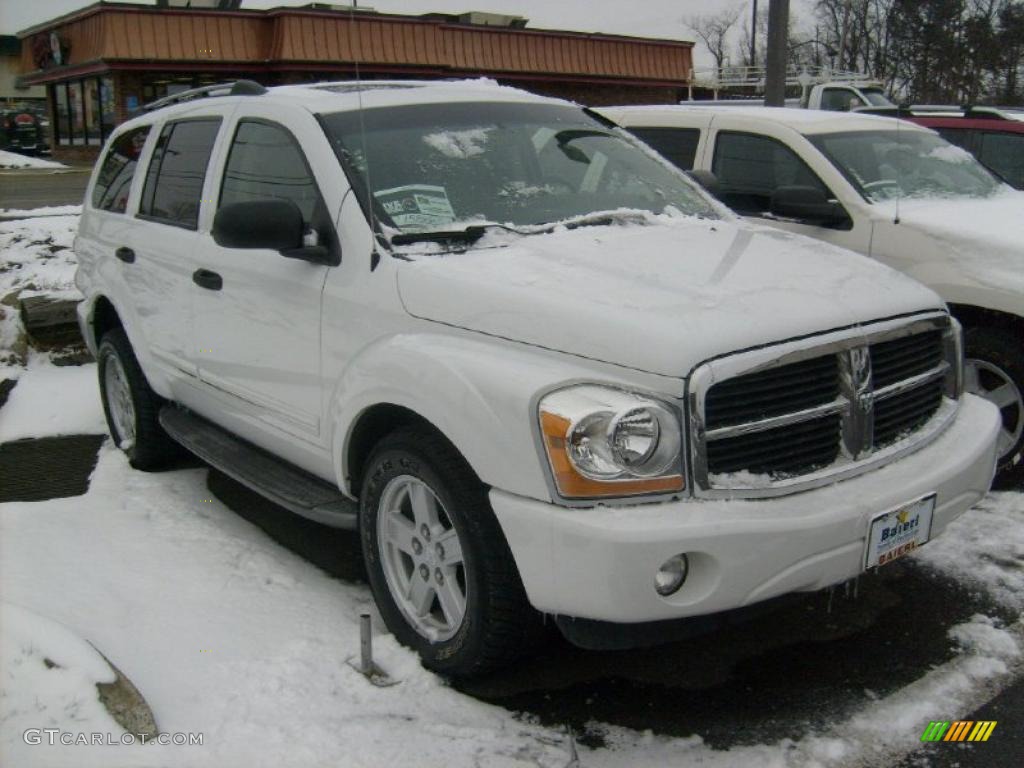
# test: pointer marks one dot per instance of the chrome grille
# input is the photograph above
(796, 414)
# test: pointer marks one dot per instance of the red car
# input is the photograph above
(994, 135)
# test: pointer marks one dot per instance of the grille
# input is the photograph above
(797, 418)
(773, 392)
(901, 414)
(893, 361)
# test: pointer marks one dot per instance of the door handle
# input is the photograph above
(127, 255)
(204, 278)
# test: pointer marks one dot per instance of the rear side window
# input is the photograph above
(750, 168)
(174, 180)
(1004, 154)
(840, 100)
(677, 145)
(114, 181)
(265, 163)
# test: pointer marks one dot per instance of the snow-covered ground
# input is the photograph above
(227, 634)
(15, 160)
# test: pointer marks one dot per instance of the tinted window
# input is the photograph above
(840, 99)
(266, 164)
(678, 145)
(174, 181)
(750, 168)
(1004, 154)
(962, 137)
(114, 181)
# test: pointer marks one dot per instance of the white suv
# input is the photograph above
(890, 190)
(538, 369)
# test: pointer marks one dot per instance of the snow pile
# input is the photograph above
(51, 400)
(36, 255)
(46, 210)
(14, 160)
(985, 548)
(49, 676)
(35, 259)
(226, 634)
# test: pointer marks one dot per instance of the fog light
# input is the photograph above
(671, 575)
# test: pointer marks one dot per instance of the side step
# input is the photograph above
(282, 483)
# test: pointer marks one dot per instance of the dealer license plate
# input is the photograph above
(900, 531)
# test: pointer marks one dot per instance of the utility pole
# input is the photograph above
(753, 36)
(778, 45)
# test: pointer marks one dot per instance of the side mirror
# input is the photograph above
(808, 204)
(273, 224)
(708, 181)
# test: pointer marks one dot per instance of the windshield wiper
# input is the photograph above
(469, 234)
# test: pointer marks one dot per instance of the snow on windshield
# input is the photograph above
(892, 164)
(518, 164)
(458, 144)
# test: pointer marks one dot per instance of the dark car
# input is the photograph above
(22, 131)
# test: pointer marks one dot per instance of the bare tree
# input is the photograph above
(713, 30)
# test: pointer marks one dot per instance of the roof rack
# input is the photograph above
(936, 110)
(233, 88)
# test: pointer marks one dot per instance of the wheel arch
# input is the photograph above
(974, 316)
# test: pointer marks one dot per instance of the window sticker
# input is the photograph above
(417, 206)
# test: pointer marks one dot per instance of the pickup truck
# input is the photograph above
(535, 367)
(888, 189)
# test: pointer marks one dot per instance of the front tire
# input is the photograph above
(440, 569)
(132, 408)
(994, 370)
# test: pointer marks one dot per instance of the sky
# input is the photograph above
(654, 18)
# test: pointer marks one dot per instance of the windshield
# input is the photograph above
(890, 165)
(876, 97)
(445, 166)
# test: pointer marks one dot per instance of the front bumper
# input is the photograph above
(599, 563)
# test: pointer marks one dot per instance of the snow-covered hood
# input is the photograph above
(989, 232)
(969, 251)
(659, 298)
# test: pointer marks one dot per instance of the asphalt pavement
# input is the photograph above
(26, 188)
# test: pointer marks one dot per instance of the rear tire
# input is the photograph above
(422, 578)
(994, 370)
(132, 408)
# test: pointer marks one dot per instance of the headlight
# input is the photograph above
(603, 442)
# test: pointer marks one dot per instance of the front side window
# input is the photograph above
(442, 166)
(177, 170)
(265, 163)
(677, 145)
(889, 165)
(114, 182)
(750, 168)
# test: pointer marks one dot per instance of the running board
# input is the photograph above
(275, 479)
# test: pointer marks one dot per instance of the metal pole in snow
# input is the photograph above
(365, 645)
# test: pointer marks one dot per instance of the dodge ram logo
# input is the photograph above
(857, 387)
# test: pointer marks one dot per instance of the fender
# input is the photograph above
(479, 392)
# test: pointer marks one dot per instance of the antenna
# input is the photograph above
(899, 186)
(375, 256)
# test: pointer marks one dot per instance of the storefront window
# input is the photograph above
(107, 115)
(62, 125)
(92, 111)
(77, 112)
